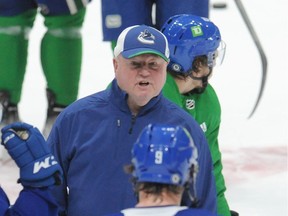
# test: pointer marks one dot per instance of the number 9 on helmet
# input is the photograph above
(164, 154)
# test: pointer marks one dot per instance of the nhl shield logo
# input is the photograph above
(190, 104)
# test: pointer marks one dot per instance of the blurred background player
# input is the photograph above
(195, 48)
(119, 14)
(164, 164)
(61, 53)
(39, 171)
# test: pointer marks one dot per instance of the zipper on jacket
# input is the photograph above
(133, 119)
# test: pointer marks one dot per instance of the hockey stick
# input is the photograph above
(260, 50)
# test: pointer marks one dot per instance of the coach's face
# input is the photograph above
(142, 77)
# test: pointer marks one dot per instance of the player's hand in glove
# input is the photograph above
(28, 148)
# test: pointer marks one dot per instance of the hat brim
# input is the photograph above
(136, 52)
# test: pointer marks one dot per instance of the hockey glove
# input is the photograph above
(27, 147)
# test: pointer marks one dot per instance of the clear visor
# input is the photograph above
(216, 58)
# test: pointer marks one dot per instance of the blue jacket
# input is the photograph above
(92, 140)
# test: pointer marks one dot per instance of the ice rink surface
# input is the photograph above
(254, 150)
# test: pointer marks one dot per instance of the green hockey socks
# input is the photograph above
(61, 55)
(14, 33)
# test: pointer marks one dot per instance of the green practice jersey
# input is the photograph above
(205, 108)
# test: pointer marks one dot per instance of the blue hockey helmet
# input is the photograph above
(190, 36)
(163, 154)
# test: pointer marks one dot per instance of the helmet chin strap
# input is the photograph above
(204, 80)
(192, 194)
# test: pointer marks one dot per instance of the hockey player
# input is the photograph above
(164, 165)
(39, 171)
(196, 47)
(61, 53)
(93, 137)
(119, 14)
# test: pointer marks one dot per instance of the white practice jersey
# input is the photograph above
(153, 211)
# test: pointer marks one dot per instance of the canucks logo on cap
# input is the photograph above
(146, 37)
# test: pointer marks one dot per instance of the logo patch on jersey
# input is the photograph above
(190, 104)
(146, 37)
(203, 127)
(113, 21)
(196, 31)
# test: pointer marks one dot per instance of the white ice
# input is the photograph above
(254, 150)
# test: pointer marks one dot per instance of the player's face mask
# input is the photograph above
(216, 58)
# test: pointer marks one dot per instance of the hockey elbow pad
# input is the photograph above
(28, 148)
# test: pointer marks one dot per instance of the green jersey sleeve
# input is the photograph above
(206, 110)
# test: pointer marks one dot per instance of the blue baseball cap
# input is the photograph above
(141, 39)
